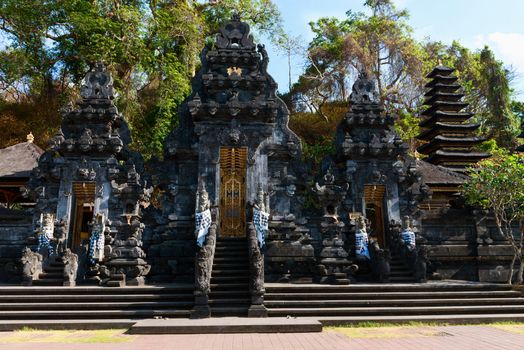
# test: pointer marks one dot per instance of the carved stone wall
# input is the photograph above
(89, 158)
(233, 104)
(15, 229)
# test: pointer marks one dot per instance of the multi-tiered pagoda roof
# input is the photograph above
(449, 137)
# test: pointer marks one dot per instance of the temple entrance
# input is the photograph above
(83, 208)
(374, 201)
(232, 192)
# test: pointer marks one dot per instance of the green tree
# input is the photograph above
(497, 184)
(150, 46)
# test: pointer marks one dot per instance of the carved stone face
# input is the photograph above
(406, 223)
(361, 223)
(290, 190)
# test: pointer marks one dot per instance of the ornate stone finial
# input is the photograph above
(30, 137)
(97, 84)
(364, 90)
(260, 201)
(361, 224)
(202, 203)
(329, 179)
(235, 17)
(406, 223)
(235, 34)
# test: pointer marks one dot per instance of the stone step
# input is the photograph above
(229, 264)
(97, 290)
(54, 269)
(229, 301)
(459, 319)
(229, 279)
(390, 295)
(395, 311)
(401, 274)
(221, 272)
(392, 302)
(231, 243)
(226, 325)
(227, 311)
(49, 282)
(51, 275)
(230, 259)
(95, 306)
(56, 265)
(402, 279)
(90, 298)
(72, 324)
(229, 286)
(384, 287)
(226, 248)
(93, 314)
(229, 294)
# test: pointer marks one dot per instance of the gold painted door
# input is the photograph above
(233, 191)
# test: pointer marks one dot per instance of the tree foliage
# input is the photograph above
(497, 184)
(382, 44)
(150, 46)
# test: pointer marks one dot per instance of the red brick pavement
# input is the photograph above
(451, 337)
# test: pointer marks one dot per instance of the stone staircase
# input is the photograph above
(52, 275)
(59, 303)
(450, 301)
(400, 272)
(229, 294)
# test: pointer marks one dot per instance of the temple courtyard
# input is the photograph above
(364, 336)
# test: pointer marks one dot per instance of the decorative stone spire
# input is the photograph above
(95, 127)
(233, 80)
(364, 91)
(366, 131)
(97, 84)
(449, 139)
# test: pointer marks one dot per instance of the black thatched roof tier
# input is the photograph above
(442, 79)
(445, 129)
(439, 70)
(454, 158)
(437, 175)
(439, 96)
(449, 143)
(445, 117)
(16, 162)
(449, 88)
(445, 106)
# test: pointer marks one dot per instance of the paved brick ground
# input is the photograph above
(427, 338)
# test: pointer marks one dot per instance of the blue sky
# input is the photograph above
(474, 23)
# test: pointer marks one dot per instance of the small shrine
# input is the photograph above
(89, 190)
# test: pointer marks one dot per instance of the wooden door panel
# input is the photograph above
(233, 192)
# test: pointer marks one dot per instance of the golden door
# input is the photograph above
(233, 192)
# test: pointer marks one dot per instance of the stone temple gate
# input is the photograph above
(236, 204)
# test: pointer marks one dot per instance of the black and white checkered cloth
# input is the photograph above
(408, 237)
(261, 221)
(361, 243)
(202, 222)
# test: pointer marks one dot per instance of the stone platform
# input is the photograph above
(222, 325)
